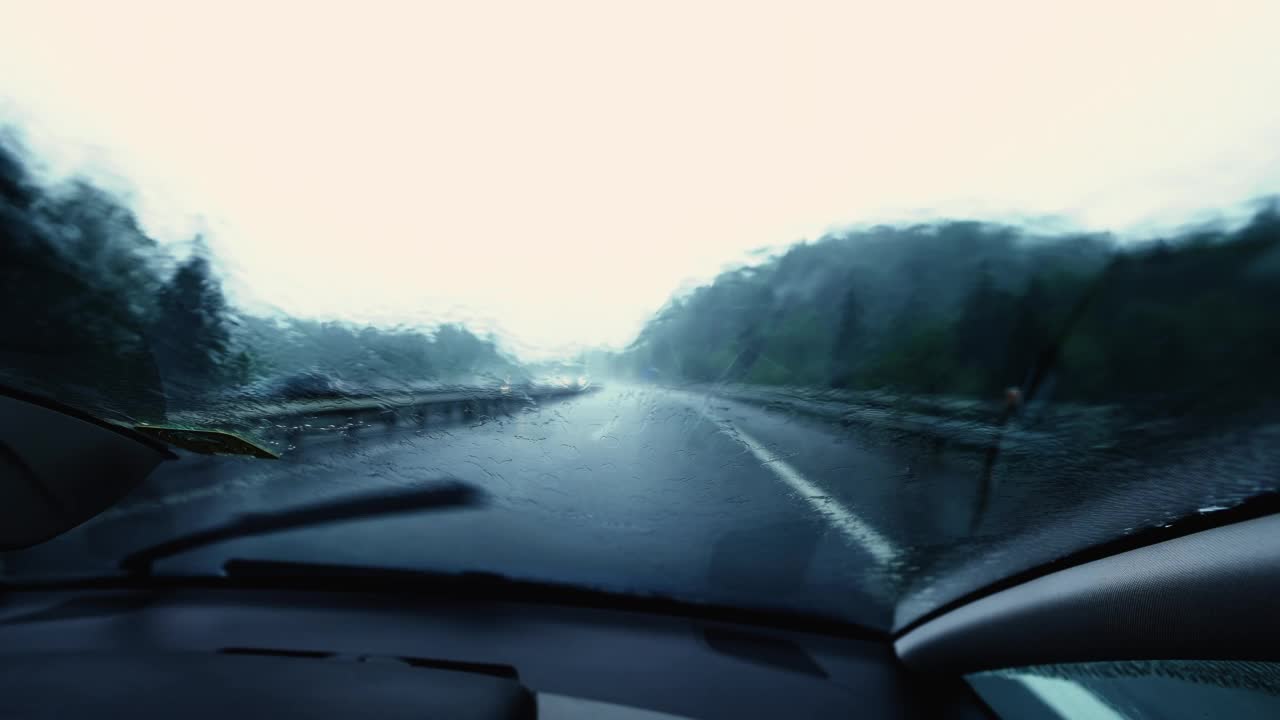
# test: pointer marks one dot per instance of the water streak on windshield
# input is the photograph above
(626, 331)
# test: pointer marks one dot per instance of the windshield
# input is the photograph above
(846, 312)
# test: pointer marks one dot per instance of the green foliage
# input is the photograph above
(971, 309)
(368, 356)
(190, 339)
(94, 318)
(916, 358)
(77, 289)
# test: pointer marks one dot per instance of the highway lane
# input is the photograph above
(629, 488)
(647, 489)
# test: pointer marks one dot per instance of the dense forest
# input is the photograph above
(99, 315)
(969, 308)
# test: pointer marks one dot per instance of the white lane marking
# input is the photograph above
(1068, 699)
(841, 518)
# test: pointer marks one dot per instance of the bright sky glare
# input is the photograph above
(555, 170)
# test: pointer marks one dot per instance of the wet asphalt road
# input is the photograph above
(651, 490)
(627, 488)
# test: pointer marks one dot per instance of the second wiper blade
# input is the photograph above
(446, 495)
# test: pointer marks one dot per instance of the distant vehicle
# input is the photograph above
(307, 386)
(579, 382)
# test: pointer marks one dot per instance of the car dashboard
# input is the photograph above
(205, 652)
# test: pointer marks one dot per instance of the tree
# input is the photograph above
(76, 290)
(1031, 332)
(982, 334)
(240, 368)
(190, 337)
(849, 330)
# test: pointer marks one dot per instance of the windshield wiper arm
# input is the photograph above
(486, 586)
(1044, 363)
(442, 496)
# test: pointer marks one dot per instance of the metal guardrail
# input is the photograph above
(284, 425)
(958, 422)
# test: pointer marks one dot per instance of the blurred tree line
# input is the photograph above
(969, 308)
(98, 315)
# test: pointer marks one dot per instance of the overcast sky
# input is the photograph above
(556, 170)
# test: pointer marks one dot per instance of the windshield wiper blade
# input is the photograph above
(488, 586)
(1037, 378)
(447, 495)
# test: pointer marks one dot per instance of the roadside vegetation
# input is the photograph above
(974, 309)
(99, 315)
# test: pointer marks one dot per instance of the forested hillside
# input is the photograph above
(971, 308)
(97, 314)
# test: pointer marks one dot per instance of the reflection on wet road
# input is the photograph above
(640, 488)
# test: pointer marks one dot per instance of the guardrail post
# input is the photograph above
(285, 425)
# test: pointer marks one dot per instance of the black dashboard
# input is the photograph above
(204, 652)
